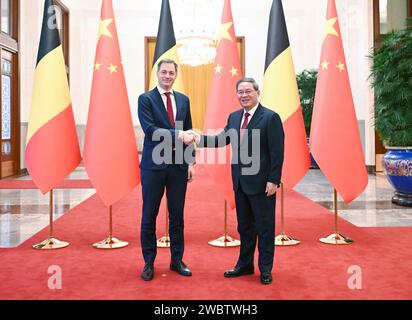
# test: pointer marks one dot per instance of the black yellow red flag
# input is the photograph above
(280, 93)
(166, 46)
(52, 147)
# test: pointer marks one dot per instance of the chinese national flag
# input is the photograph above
(110, 152)
(222, 98)
(334, 137)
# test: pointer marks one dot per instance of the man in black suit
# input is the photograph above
(162, 112)
(257, 139)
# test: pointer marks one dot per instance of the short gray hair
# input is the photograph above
(166, 60)
(250, 80)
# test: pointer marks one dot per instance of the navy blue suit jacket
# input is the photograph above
(269, 136)
(153, 118)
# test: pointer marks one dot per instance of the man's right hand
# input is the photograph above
(196, 136)
(189, 137)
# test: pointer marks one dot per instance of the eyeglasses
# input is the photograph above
(247, 92)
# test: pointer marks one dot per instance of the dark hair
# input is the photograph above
(250, 80)
(166, 60)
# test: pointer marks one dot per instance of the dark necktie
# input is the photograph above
(244, 125)
(170, 109)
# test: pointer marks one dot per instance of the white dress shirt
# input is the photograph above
(164, 98)
(251, 112)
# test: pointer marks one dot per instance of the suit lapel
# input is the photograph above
(236, 122)
(255, 119)
(178, 101)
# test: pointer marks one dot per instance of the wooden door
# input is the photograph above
(10, 116)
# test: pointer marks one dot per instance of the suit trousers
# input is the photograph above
(154, 182)
(256, 222)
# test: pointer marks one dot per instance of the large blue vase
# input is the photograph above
(397, 164)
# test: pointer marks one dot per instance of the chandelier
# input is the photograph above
(195, 50)
(198, 23)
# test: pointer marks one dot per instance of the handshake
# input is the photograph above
(189, 137)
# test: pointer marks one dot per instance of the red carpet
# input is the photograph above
(29, 184)
(311, 270)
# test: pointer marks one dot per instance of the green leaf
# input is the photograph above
(391, 79)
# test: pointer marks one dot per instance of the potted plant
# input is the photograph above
(391, 79)
(307, 86)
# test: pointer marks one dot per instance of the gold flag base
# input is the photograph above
(225, 241)
(110, 243)
(285, 240)
(336, 238)
(50, 244)
(163, 242)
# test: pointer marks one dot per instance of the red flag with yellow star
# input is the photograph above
(334, 137)
(110, 151)
(222, 98)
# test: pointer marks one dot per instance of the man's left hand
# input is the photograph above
(191, 173)
(271, 189)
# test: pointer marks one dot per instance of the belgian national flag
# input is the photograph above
(166, 46)
(280, 93)
(52, 149)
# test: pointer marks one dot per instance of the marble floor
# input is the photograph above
(373, 208)
(25, 212)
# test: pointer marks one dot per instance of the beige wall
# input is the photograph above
(393, 15)
(136, 19)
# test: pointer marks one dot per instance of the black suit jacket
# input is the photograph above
(258, 157)
(153, 118)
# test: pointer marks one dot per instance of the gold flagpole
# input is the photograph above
(336, 237)
(110, 224)
(164, 242)
(283, 239)
(110, 242)
(225, 240)
(50, 242)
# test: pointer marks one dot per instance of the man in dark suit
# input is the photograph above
(164, 115)
(257, 139)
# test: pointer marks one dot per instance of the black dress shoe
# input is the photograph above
(180, 268)
(147, 273)
(238, 271)
(266, 278)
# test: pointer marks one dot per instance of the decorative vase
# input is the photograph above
(397, 164)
